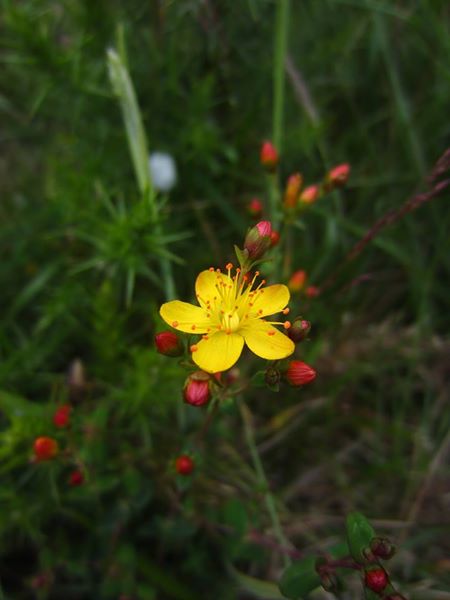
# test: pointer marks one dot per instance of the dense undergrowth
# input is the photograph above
(367, 82)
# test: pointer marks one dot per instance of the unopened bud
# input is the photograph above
(268, 156)
(76, 478)
(45, 448)
(337, 177)
(61, 418)
(376, 579)
(255, 207)
(41, 581)
(329, 581)
(274, 239)
(310, 194)
(197, 389)
(292, 190)
(272, 376)
(299, 373)
(382, 548)
(184, 465)
(312, 291)
(299, 330)
(297, 281)
(169, 343)
(257, 241)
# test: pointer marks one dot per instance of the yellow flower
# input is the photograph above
(231, 312)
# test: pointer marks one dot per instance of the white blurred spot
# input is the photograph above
(163, 171)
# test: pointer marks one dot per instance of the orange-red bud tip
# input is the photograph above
(268, 156)
(255, 207)
(258, 240)
(297, 281)
(292, 190)
(310, 194)
(312, 291)
(338, 176)
(45, 448)
(274, 239)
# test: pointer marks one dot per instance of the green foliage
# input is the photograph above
(300, 579)
(86, 252)
(359, 534)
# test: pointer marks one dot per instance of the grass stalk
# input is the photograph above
(137, 142)
(262, 479)
(280, 47)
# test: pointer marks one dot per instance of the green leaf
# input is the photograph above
(299, 579)
(263, 590)
(242, 256)
(137, 141)
(259, 379)
(359, 534)
(235, 515)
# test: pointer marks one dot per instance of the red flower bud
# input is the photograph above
(297, 280)
(257, 240)
(299, 373)
(76, 478)
(184, 465)
(338, 176)
(293, 186)
(169, 344)
(197, 389)
(45, 448)
(376, 579)
(255, 207)
(61, 418)
(274, 239)
(268, 156)
(310, 194)
(312, 291)
(299, 330)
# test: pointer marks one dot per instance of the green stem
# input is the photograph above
(281, 36)
(262, 479)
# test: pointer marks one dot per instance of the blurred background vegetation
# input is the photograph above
(367, 82)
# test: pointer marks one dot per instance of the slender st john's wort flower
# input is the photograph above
(231, 312)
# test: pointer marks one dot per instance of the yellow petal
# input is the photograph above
(271, 300)
(186, 317)
(219, 352)
(205, 286)
(267, 341)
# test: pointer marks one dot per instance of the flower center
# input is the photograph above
(230, 321)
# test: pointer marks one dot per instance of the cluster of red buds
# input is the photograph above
(295, 195)
(297, 283)
(375, 577)
(47, 448)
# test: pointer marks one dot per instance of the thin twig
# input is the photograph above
(441, 167)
